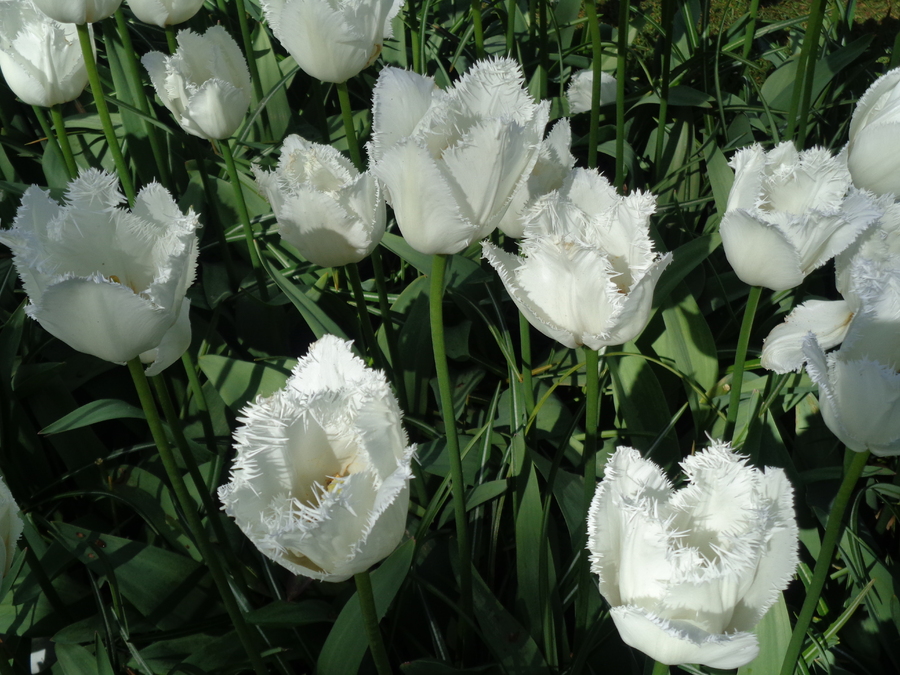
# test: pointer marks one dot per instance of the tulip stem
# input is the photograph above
(209, 433)
(189, 509)
(621, 56)
(247, 39)
(171, 40)
(387, 325)
(478, 29)
(438, 267)
(751, 29)
(349, 131)
(740, 356)
(660, 668)
(823, 560)
(511, 6)
(365, 321)
(60, 127)
(244, 215)
(805, 69)
(87, 50)
(590, 10)
(370, 620)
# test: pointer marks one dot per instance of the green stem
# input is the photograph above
(60, 127)
(248, 50)
(542, 48)
(347, 117)
(668, 24)
(46, 129)
(365, 321)
(810, 43)
(415, 34)
(621, 56)
(87, 50)
(740, 356)
(171, 40)
(209, 433)
(478, 29)
(387, 325)
(510, 27)
(814, 27)
(660, 668)
(189, 509)
(751, 28)
(590, 10)
(370, 620)
(525, 348)
(244, 215)
(438, 268)
(823, 561)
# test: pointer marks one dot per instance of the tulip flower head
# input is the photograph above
(587, 271)
(78, 11)
(688, 573)
(40, 58)
(332, 40)
(205, 83)
(320, 483)
(581, 90)
(107, 281)
(873, 153)
(325, 208)
(452, 161)
(165, 12)
(790, 212)
(11, 527)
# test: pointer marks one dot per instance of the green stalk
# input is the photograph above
(740, 356)
(209, 433)
(370, 620)
(244, 215)
(590, 10)
(365, 321)
(347, 117)
(438, 267)
(589, 471)
(621, 55)
(415, 34)
(60, 127)
(171, 40)
(87, 50)
(814, 27)
(660, 668)
(388, 325)
(525, 348)
(189, 509)
(478, 29)
(751, 28)
(542, 48)
(668, 24)
(823, 561)
(248, 50)
(510, 27)
(810, 44)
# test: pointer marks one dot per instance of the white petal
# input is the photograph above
(216, 110)
(873, 158)
(759, 252)
(874, 104)
(399, 101)
(580, 90)
(783, 349)
(746, 191)
(173, 344)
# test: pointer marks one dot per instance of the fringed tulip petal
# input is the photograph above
(580, 91)
(829, 320)
(875, 137)
(165, 12)
(759, 252)
(78, 11)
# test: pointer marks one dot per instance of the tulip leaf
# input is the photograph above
(76, 660)
(431, 667)
(774, 633)
(239, 382)
(282, 613)
(93, 412)
(398, 245)
(346, 644)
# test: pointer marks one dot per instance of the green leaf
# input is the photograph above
(398, 245)
(774, 633)
(346, 644)
(239, 382)
(76, 660)
(284, 614)
(93, 412)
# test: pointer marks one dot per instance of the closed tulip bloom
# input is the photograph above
(452, 161)
(320, 482)
(330, 212)
(40, 58)
(587, 271)
(78, 11)
(107, 281)
(205, 83)
(581, 90)
(790, 212)
(873, 153)
(688, 573)
(165, 12)
(332, 40)
(11, 527)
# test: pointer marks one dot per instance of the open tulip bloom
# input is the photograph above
(453, 160)
(789, 213)
(332, 40)
(688, 573)
(587, 271)
(78, 11)
(40, 58)
(205, 83)
(873, 153)
(320, 483)
(329, 211)
(104, 280)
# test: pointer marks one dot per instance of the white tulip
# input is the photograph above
(873, 153)
(165, 12)
(40, 58)
(580, 90)
(554, 163)
(104, 280)
(588, 268)
(789, 213)
(11, 527)
(78, 11)
(332, 40)
(452, 161)
(689, 573)
(324, 207)
(205, 83)
(320, 483)
(859, 384)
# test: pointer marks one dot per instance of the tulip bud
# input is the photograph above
(165, 12)
(205, 83)
(40, 58)
(689, 573)
(107, 281)
(78, 11)
(581, 90)
(330, 212)
(320, 483)
(873, 153)
(332, 40)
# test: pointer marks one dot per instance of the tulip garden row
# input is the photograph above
(459, 337)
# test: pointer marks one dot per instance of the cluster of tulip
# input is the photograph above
(320, 482)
